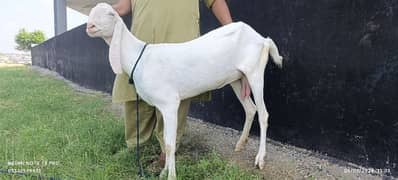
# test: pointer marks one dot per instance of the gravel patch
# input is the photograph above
(282, 161)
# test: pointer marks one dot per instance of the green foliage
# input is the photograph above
(25, 39)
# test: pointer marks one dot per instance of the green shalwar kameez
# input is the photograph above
(157, 21)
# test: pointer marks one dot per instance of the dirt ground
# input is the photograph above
(282, 161)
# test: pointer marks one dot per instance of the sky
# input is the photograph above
(31, 15)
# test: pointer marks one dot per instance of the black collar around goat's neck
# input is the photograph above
(131, 80)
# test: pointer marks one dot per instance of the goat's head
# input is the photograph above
(101, 21)
(106, 23)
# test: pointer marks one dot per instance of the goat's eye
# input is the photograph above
(111, 14)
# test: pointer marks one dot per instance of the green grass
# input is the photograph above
(43, 119)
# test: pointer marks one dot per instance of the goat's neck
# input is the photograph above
(130, 51)
(131, 48)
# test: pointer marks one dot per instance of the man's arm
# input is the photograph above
(123, 7)
(221, 11)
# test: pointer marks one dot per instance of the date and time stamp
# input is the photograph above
(34, 167)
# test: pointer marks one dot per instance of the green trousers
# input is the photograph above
(151, 122)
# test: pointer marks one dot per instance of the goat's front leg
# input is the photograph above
(169, 113)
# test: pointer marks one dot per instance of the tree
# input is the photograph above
(25, 39)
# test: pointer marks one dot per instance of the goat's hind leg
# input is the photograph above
(256, 84)
(250, 111)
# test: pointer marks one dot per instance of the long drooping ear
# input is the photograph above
(115, 48)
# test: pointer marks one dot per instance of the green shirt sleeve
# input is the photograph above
(209, 3)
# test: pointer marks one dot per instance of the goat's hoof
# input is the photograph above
(163, 174)
(172, 178)
(240, 145)
(238, 148)
(260, 163)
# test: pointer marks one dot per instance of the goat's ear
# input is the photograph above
(115, 48)
(112, 13)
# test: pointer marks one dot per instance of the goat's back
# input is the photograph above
(206, 63)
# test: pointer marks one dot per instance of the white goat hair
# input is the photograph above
(170, 72)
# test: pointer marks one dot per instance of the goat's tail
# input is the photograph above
(273, 51)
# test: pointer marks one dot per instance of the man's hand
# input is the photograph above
(123, 7)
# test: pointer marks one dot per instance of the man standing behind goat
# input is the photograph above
(160, 21)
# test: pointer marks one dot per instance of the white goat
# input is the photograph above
(171, 72)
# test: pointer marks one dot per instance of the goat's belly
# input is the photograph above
(196, 87)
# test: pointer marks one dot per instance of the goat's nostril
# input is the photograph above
(89, 26)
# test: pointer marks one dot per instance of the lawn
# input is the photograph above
(51, 130)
